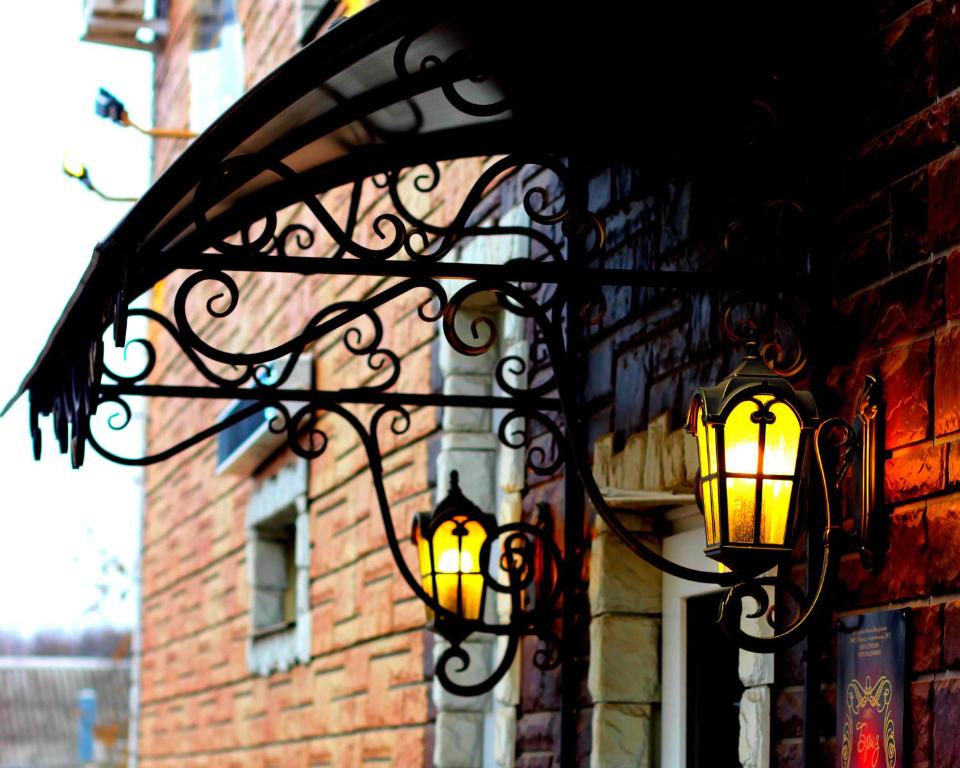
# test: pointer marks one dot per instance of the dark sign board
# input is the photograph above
(871, 679)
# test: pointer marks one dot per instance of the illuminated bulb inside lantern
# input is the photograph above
(742, 456)
(453, 562)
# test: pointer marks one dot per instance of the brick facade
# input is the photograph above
(363, 696)
(883, 200)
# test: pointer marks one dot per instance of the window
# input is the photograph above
(216, 62)
(278, 560)
(275, 585)
(246, 445)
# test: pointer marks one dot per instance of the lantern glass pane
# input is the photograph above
(446, 547)
(456, 561)
(705, 467)
(708, 511)
(448, 591)
(470, 547)
(775, 508)
(472, 592)
(741, 440)
(741, 506)
(425, 563)
(423, 554)
(711, 448)
(446, 564)
(707, 453)
(781, 442)
(714, 510)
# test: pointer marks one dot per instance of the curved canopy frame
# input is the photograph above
(379, 102)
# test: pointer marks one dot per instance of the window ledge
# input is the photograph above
(642, 501)
(280, 647)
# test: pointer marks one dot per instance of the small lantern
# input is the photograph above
(453, 553)
(752, 430)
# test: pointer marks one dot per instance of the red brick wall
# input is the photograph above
(896, 302)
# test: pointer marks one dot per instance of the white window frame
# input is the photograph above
(282, 494)
(685, 548)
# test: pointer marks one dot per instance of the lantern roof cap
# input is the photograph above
(751, 376)
(455, 501)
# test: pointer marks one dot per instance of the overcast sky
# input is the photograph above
(58, 526)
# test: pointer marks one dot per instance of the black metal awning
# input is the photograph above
(405, 84)
(546, 94)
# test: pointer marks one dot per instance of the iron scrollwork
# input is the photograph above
(539, 417)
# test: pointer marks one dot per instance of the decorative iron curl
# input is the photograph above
(244, 375)
(482, 342)
(541, 460)
(437, 240)
(148, 365)
(234, 171)
(304, 438)
(464, 64)
(332, 318)
(455, 652)
(771, 348)
(547, 656)
(126, 414)
(301, 234)
(513, 368)
(518, 560)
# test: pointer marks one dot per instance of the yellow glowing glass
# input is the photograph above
(741, 441)
(454, 565)
(707, 451)
(781, 440)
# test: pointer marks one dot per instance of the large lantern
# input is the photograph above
(453, 556)
(752, 430)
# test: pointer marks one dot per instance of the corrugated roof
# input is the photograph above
(38, 715)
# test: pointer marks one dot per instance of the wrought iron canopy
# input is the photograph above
(378, 104)
(403, 84)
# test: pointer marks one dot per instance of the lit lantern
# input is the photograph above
(453, 556)
(752, 430)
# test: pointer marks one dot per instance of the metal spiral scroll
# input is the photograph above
(399, 232)
(467, 62)
(542, 417)
(760, 328)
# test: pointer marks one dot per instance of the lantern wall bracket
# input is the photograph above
(856, 448)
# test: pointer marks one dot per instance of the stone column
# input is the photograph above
(492, 476)
(469, 447)
(756, 674)
(624, 672)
